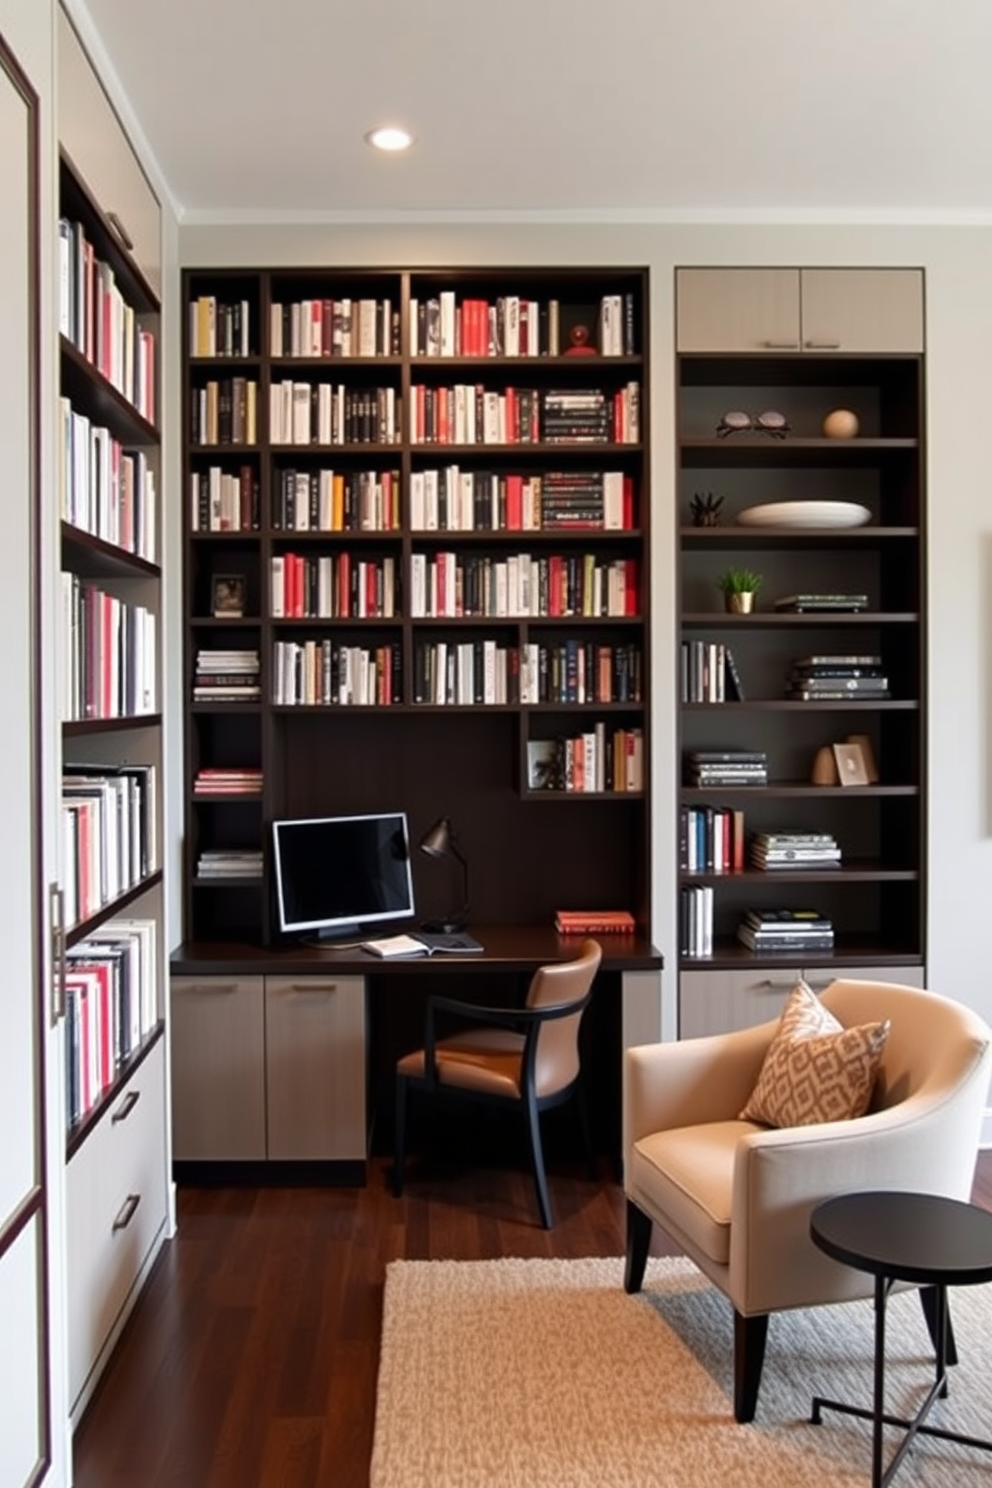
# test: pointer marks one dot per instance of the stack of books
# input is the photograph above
(785, 930)
(717, 767)
(575, 416)
(822, 678)
(696, 920)
(226, 676)
(229, 863)
(594, 922)
(798, 603)
(214, 781)
(778, 850)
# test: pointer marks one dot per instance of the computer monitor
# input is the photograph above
(337, 875)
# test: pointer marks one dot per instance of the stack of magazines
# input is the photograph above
(828, 677)
(785, 850)
(785, 930)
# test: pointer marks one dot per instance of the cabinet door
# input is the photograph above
(721, 1001)
(92, 137)
(737, 309)
(115, 1210)
(315, 1066)
(850, 310)
(218, 1068)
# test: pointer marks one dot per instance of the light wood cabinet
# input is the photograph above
(218, 1068)
(720, 1001)
(268, 1068)
(315, 1067)
(116, 1210)
(90, 133)
(791, 309)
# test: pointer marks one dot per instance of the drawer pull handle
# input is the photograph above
(312, 987)
(127, 1212)
(126, 1106)
(781, 345)
(121, 231)
(822, 345)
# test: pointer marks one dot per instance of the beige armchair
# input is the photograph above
(737, 1196)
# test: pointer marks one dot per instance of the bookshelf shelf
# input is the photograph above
(464, 759)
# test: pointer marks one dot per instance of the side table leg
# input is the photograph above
(881, 1296)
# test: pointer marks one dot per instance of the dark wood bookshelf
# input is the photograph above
(876, 897)
(468, 761)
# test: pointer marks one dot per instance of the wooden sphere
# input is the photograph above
(841, 423)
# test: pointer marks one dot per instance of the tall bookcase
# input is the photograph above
(112, 937)
(801, 343)
(430, 488)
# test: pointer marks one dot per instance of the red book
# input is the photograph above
(514, 502)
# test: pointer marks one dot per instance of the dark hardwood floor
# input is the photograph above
(250, 1360)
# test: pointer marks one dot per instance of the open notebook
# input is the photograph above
(423, 943)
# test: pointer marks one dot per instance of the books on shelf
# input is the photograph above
(725, 767)
(446, 324)
(785, 850)
(696, 903)
(229, 863)
(241, 781)
(785, 930)
(594, 922)
(798, 603)
(227, 675)
(711, 839)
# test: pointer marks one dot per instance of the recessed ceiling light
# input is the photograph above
(390, 138)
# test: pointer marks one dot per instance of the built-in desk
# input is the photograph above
(283, 1055)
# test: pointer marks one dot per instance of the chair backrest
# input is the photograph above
(557, 1056)
(938, 1055)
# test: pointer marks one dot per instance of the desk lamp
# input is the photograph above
(440, 842)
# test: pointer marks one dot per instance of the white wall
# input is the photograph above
(958, 264)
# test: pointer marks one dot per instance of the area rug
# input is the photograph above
(544, 1374)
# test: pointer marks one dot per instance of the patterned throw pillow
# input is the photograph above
(815, 1069)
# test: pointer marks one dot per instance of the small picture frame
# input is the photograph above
(227, 596)
(850, 764)
(543, 764)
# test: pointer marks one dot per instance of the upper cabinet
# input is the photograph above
(789, 310)
(90, 134)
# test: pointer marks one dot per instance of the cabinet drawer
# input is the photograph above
(218, 1068)
(720, 1001)
(91, 135)
(115, 1206)
(315, 1066)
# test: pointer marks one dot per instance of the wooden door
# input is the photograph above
(855, 310)
(737, 310)
(25, 1366)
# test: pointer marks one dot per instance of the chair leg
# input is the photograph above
(928, 1301)
(399, 1136)
(750, 1334)
(537, 1161)
(638, 1240)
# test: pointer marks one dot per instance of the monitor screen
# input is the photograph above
(336, 874)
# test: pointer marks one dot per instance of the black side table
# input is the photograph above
(922, 1238)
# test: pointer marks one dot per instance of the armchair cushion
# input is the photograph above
(815, 1068)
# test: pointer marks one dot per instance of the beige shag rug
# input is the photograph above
(544, 1374)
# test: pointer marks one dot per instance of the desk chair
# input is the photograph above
(521, 1059)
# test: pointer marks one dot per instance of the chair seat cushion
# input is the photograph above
(815, 1068)
(687, 1174)
(486, 1060)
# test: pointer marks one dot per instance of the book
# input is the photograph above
(424, 943)
(593, 921)
(801, 602)
(395, 945)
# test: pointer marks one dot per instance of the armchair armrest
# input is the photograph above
(689, 1081)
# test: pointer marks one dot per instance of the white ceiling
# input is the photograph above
(863, 109)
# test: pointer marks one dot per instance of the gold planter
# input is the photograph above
(741, 603)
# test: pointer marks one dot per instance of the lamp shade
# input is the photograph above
(436, 842)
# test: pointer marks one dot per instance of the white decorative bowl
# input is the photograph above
(805, 514)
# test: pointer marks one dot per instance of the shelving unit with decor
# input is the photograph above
(443, 548)
(112, 940)
(875, 897)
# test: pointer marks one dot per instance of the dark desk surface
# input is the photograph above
(907, 1236)
(505, 948)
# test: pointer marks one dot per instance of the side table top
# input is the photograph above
(907, 1236)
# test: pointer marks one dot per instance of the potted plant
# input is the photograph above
(739, 586)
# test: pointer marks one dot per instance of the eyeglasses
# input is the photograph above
(737, 422)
